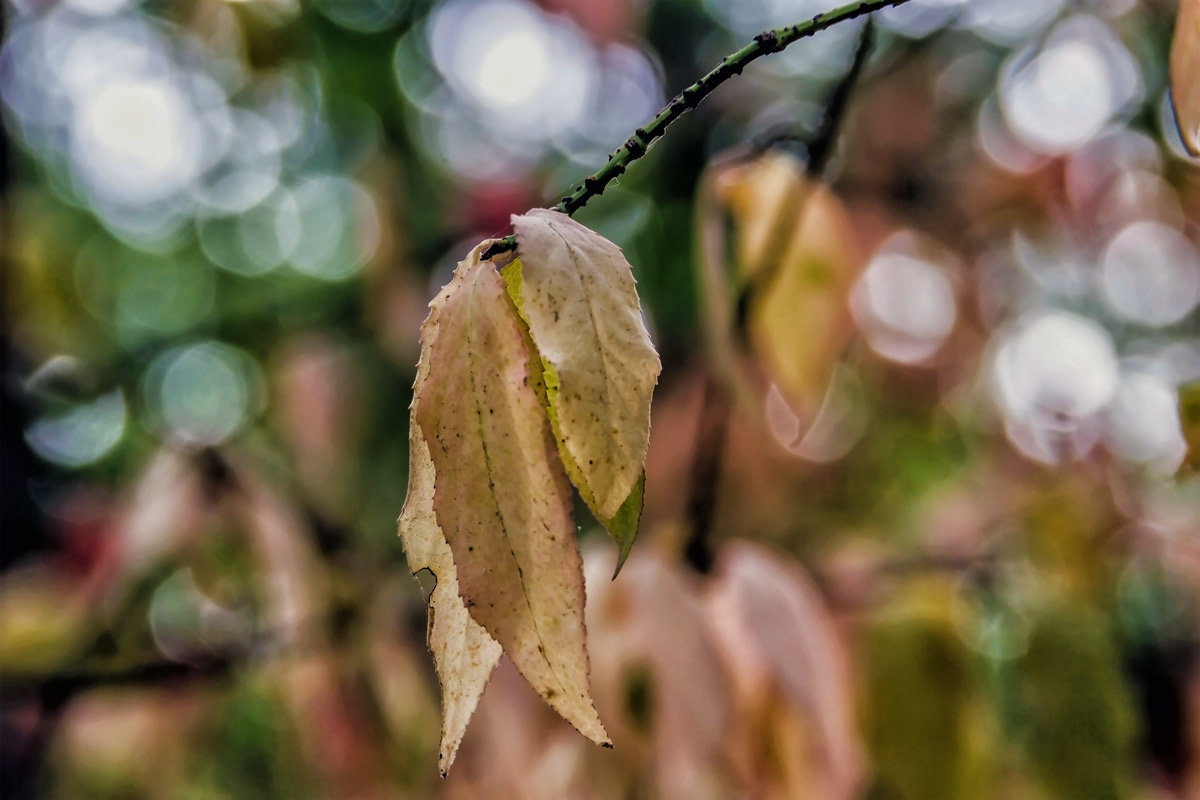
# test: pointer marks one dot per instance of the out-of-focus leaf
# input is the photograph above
(1189, 420)
(797, 259)
(659, 678)
(163, 514)
(43, 621)
(463, 652)
(319, 397)
(501, 497)
(791, 675)
(518, 747)
(1070, 525)
(399, 678)
(1185, 74)
(578, 295)
(922, 720)
(1077, 711)
(125, 743)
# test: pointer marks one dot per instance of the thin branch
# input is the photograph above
(638, 144)
(826, 136)
(819, 145)
(705, 478)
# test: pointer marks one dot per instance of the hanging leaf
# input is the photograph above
(1185, 74)
(501, 497)
(796, 262)
(463, 652)
(577, 294)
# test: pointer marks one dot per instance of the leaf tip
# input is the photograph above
(626, 549)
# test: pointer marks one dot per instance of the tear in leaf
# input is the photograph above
(501, 497)
(577, 294)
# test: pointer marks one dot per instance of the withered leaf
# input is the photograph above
(1185, 74)
(464, 654)
(501, 497)
(578, 296)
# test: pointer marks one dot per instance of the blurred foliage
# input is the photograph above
(974, 502)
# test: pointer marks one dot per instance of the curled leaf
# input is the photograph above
(576, 293)
(501, 497)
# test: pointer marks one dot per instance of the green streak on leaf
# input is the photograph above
(622, 526)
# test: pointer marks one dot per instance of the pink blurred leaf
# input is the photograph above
(777, 638)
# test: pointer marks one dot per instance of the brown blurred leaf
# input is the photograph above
(319, 404)
(576, 291)
(328, 713)
(501, 496)
(1185, 74)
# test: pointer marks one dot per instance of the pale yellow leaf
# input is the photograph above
(501, 497)
(463, 652)
(1185, 74)
(581, 305)
(623, 525)
(797, 260)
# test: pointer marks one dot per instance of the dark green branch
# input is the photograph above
(638, 144)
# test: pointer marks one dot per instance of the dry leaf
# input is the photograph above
(501, 497)
(463, 652)
(577, 294)
(1185, 74)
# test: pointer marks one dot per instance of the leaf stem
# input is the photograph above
(638, 144)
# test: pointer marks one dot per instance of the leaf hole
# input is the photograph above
(427, 580)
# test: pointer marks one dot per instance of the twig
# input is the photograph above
(638, 144)
(707, 458)
(826, 136)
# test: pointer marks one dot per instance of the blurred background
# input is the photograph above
(922, 512)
